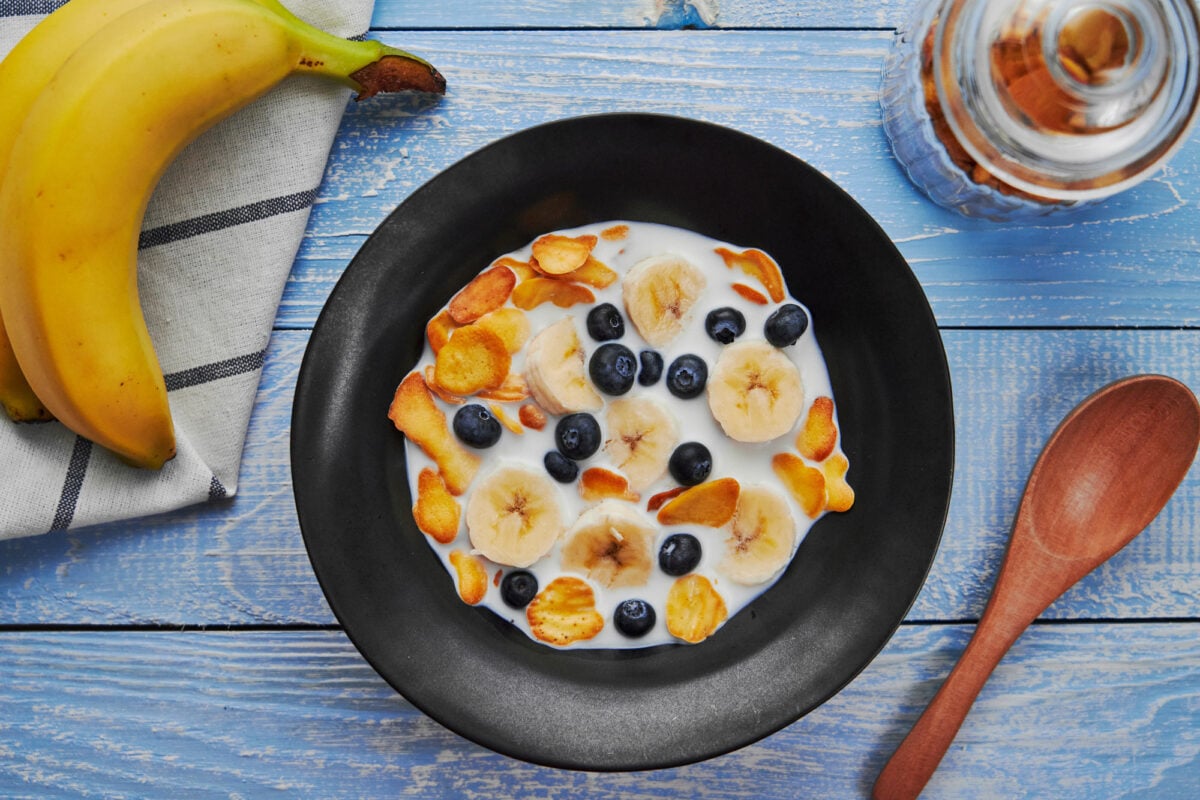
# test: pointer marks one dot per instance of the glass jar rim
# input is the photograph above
(1057, 165)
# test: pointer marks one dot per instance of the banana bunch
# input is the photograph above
(98, 100)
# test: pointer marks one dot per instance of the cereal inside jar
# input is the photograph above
(1009, 108)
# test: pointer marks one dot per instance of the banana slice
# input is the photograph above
(642, 433)
(610, 544)
(555, 371)
(755, 392)
(514, 516)
(762, 537)
(659, 293)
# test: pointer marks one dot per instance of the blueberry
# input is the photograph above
(605, 323)
(652, 367)
(725, 324)
(476, 426)
(679, 554)
(518, 587)
(613, 368)
(561, 468)
(786, 325)
(686, 376)
(634, 618)
(690, 464)
(577, 436)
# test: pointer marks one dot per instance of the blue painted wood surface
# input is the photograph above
(193, 655)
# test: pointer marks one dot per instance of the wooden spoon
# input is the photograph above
(1106, 472)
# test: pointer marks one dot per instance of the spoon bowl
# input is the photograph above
(1105, 473)
(1111, 466)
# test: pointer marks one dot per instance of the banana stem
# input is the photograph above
(368, 66)
(396, 71)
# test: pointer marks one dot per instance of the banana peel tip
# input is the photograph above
(395, 73)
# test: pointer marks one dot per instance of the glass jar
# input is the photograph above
(1010, 108)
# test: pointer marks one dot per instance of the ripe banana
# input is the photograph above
(659, 293)
(610, 544)
(514, 516)
(555, 370)
(642, 434)
(80, 173)
(755, 392)
(761, 538)
(24, 72)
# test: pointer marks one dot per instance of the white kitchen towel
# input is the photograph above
(219, 239)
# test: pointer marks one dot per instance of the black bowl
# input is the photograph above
(856, 573)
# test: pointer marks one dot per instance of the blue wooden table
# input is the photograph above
(193, 654)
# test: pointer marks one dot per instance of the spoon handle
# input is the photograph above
(918, 756)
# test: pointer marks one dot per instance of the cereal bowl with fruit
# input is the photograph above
(618, 435)
(613, 453)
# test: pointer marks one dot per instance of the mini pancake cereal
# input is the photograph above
(619, 435)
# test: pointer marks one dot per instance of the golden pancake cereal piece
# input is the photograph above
(564, 612)
(694, 609)
(839, 494)
(486, 292)
(472, 360)
(472, 576)
(757, 264)
(417, 416)
(806, 484)
(555, 254)
(504, 419)
(593, 273)
(522, 269)
(818, 435)
(656, 501)
(534, 292)
(598, 483)
(711, 503)
(441, 393)
(510, 324)
(532, 416)
(436, 512)
(615, 234)
(751, 294)
(439, 329)
(512, 390)
(611, 544)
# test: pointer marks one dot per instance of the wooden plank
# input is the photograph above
(1011, 389)
(242, 561)
(1079, 711)
(1129, 261)
(667, 14)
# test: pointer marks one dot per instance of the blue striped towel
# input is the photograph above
(218, 242)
